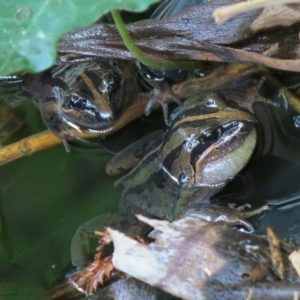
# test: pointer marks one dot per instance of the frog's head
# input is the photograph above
(96, 100)
(208, 143)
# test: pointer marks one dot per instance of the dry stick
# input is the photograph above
(224, 13)
(27, 146)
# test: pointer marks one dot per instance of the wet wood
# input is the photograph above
(222, 14)
(186, 36)
(194, 259)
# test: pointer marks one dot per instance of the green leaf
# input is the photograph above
(30, 29)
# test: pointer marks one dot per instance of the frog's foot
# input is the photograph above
(250, 96)
(218, 213)
(161, 95)
(254, 212)
(290, 98)
(253, 95)
(80, 244)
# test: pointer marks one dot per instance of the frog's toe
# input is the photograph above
(164, 105)
(80, 244)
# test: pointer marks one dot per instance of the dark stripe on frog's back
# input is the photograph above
(157, 197)
(96, 78)
(69, 73)
(133, 154)
(156, 180)
(141, 172)
(40, 87)
(47, 78)
(196, 124)
(88, 88)
(196, 110)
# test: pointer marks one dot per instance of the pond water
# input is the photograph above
(44, 198)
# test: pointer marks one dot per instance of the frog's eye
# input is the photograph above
(114, 84)
(110, 83)
(212, 103)
(212, 135)
(77, 102)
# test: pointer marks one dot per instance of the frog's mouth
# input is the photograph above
(87, 119)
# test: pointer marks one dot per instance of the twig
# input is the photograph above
(27, 146)
(224, 13)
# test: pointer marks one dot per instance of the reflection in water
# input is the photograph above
(272, 176)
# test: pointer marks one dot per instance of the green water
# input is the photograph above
(44, 198)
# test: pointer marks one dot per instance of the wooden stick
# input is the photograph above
(224, 13)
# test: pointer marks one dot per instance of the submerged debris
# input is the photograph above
(90, 278)
(276, 254)
(192, 259)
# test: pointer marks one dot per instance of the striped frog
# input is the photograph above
(176, 172)
(86, 96)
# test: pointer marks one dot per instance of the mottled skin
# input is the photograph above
(176, 172)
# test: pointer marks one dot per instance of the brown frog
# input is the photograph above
(86, 97)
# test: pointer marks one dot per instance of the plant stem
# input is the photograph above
(143, 57)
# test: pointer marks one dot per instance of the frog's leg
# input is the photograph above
(163, 95)
(160, 94)
(130, 156)
(288, 96)
(248, 96)
(151, 201)
(80, 242)
(52, 119)
(43, 91)
(228, 215)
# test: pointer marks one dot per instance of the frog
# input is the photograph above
(86, 97)
(175, 172)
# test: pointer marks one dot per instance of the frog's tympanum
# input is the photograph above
(176, 172)
(86, 96)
